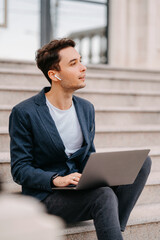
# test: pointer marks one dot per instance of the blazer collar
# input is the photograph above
(40, 98)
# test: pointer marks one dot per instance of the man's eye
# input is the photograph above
(73, 63)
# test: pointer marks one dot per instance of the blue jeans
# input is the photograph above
(109, 207)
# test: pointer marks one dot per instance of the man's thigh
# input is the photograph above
(74, 206)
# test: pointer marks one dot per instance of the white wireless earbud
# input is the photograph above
(57, 77)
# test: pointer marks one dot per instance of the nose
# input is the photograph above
(83, 68)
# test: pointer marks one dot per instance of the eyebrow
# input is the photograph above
(72, 60)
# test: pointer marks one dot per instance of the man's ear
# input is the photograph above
(51, 75)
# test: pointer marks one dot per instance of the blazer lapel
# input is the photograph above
(81, 118)
(49, 123)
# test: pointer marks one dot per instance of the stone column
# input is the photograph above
(134, 33)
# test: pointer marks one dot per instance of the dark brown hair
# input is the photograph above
(47, 57)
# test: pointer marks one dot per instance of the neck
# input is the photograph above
(59, 98)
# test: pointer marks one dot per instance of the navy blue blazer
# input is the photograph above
(37, 150)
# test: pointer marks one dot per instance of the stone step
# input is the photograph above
(98, 83)
(122, 71)
(127, 116)
(144, 223)
(5, 168)
(4, 139)
(121, 98)
(110, 136)
(22, 78)
(127, 136)
(17, 64)
(4, 115)
(122, 81)
(108, 116)
(13, 95)
(34, 78)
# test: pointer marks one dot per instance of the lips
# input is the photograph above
(82, 77)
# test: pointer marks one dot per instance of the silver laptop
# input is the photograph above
(110, 169)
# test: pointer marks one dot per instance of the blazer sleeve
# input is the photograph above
(21, 150)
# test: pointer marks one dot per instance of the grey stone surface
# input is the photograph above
(127, 136)
(127, 116)
(21, 78)
(121, 98)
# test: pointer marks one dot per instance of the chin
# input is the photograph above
(82, 85)
(79, 87)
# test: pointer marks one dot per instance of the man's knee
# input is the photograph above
(105, 196)
(146, 168)
(147, 164)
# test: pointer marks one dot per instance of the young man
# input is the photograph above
(51, 139)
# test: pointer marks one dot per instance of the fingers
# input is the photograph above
(76, 174)
(75, 177)
(75, 180)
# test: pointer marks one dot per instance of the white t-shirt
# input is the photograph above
(68, 127)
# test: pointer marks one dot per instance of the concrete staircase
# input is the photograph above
(127, 117)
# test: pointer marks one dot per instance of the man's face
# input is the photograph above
(72, 71)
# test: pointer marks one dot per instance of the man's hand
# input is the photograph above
(72, 178)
